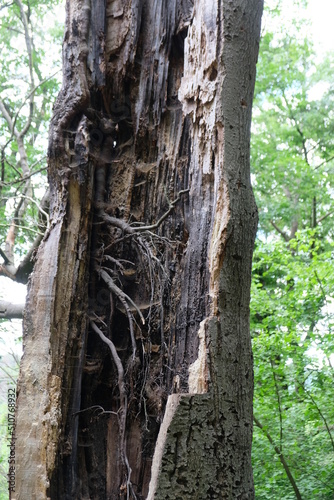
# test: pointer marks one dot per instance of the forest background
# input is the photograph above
(293, 276)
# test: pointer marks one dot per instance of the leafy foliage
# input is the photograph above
(29, 81)
(293, 139)
(293, 276)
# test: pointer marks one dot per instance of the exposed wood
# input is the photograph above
(145, 270)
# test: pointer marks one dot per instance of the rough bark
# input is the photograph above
(138, 306)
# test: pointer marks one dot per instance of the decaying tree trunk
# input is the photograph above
(136, 379)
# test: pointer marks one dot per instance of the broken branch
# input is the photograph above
(11, 311)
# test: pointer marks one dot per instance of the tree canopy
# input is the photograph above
(293, 276)
(29, 81)
(30, 48)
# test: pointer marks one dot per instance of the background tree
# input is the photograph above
(293, 277)
(30, 40)
(139, 301)
(27, 88)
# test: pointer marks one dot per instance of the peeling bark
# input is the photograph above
(138, 307)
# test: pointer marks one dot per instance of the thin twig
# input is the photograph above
(282, 233)
(324, 162)
(325, 216)
(123, 397)
(119, 293)
(25, 177)
(279, 405)
(320, 413)
(23, 227)
(165, 215)
(123, 298)
(4, 256)
(95, 407)
(115, 357)
(281, 457)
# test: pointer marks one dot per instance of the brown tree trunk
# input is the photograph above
(138, 308)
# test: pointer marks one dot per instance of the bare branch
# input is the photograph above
(123, 397)
(4, 256)
(294, 229)
(14, 168)
(8, 4)
(2, 167)
(23, 227)
(321, 286)
(325, 216)
(12, 377)
(313, 147)
(281, 457)
(279, 404)
(23, 157)
(320, 413)
(25, 177)
(24, 269)
(130, 229)
(39, 206)
(287, 192)
(26, 265)
(115, 357)
(324, 162)
(165, 215)
(8, 271)
(299, 130)
(8, 119)
(11, 311)
(282, 233)
(31, 71)
(30, 96)
(96, 407)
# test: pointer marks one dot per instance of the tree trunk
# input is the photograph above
(136, 339)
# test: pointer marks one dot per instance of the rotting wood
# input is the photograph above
(155, 106)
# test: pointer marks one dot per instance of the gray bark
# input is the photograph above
(152, 229)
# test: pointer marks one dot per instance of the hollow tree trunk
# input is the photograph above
(136, 337)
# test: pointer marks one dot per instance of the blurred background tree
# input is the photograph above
(30, 60)
(30, 43)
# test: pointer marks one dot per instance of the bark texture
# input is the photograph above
(138, 309)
